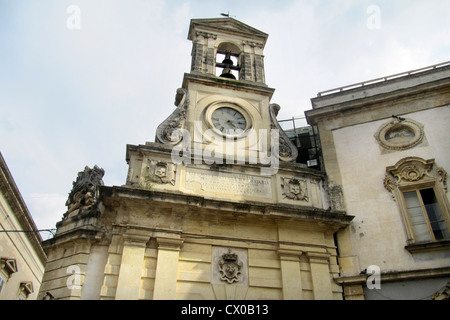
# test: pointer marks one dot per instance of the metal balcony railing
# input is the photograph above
(382, 79)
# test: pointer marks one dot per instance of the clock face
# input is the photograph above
(228, 120)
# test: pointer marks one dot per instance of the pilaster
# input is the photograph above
(167, 267)
(320, 274)
(129, 282)
(290, 274)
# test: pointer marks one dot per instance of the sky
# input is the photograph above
(79, 80)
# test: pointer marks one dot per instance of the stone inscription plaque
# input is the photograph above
(235, 184)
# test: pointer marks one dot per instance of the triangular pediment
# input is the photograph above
(9, 265)
(227, 25)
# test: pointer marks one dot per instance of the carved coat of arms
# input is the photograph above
(160, 172)
(230, 267)
(294, 189)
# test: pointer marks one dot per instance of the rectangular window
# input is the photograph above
(426, 215)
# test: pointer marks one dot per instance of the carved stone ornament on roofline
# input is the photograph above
(206, 34)
(85, 191)
(286, 149)
(253, 44)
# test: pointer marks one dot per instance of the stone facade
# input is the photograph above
(205, 213)
(382, 143)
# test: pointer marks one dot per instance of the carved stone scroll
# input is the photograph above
(166, 131)
(286, 149)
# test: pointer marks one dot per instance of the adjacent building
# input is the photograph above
(386, 148)
(22, 258)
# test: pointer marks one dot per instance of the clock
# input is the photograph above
(228, 120)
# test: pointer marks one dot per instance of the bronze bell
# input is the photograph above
(226, 73)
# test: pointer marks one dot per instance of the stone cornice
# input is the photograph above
(220, 82)
(333, 219)
(391, 276)
(375, 95)
(226, 25)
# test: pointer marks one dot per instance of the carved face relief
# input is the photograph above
(161, 170)
(294, 189)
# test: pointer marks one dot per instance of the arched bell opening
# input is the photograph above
(227, 61)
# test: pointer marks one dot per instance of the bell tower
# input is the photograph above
(224, 105)
(227, 46)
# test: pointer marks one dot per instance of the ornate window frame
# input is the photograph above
(414, 173)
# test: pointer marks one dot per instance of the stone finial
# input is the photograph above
(84, 194)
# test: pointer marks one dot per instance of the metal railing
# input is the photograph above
(382, 79)
(288, 124)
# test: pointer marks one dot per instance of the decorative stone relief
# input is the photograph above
(442, 177)
(413, 170)
(400, 134)
(413, 173)
(294, 189)
(166, 131)
(253, 44)
(206, 35)
(84, 194)
(230, 267)
(158, 172)
(286, 151)
(335, 196)
(408, 170)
